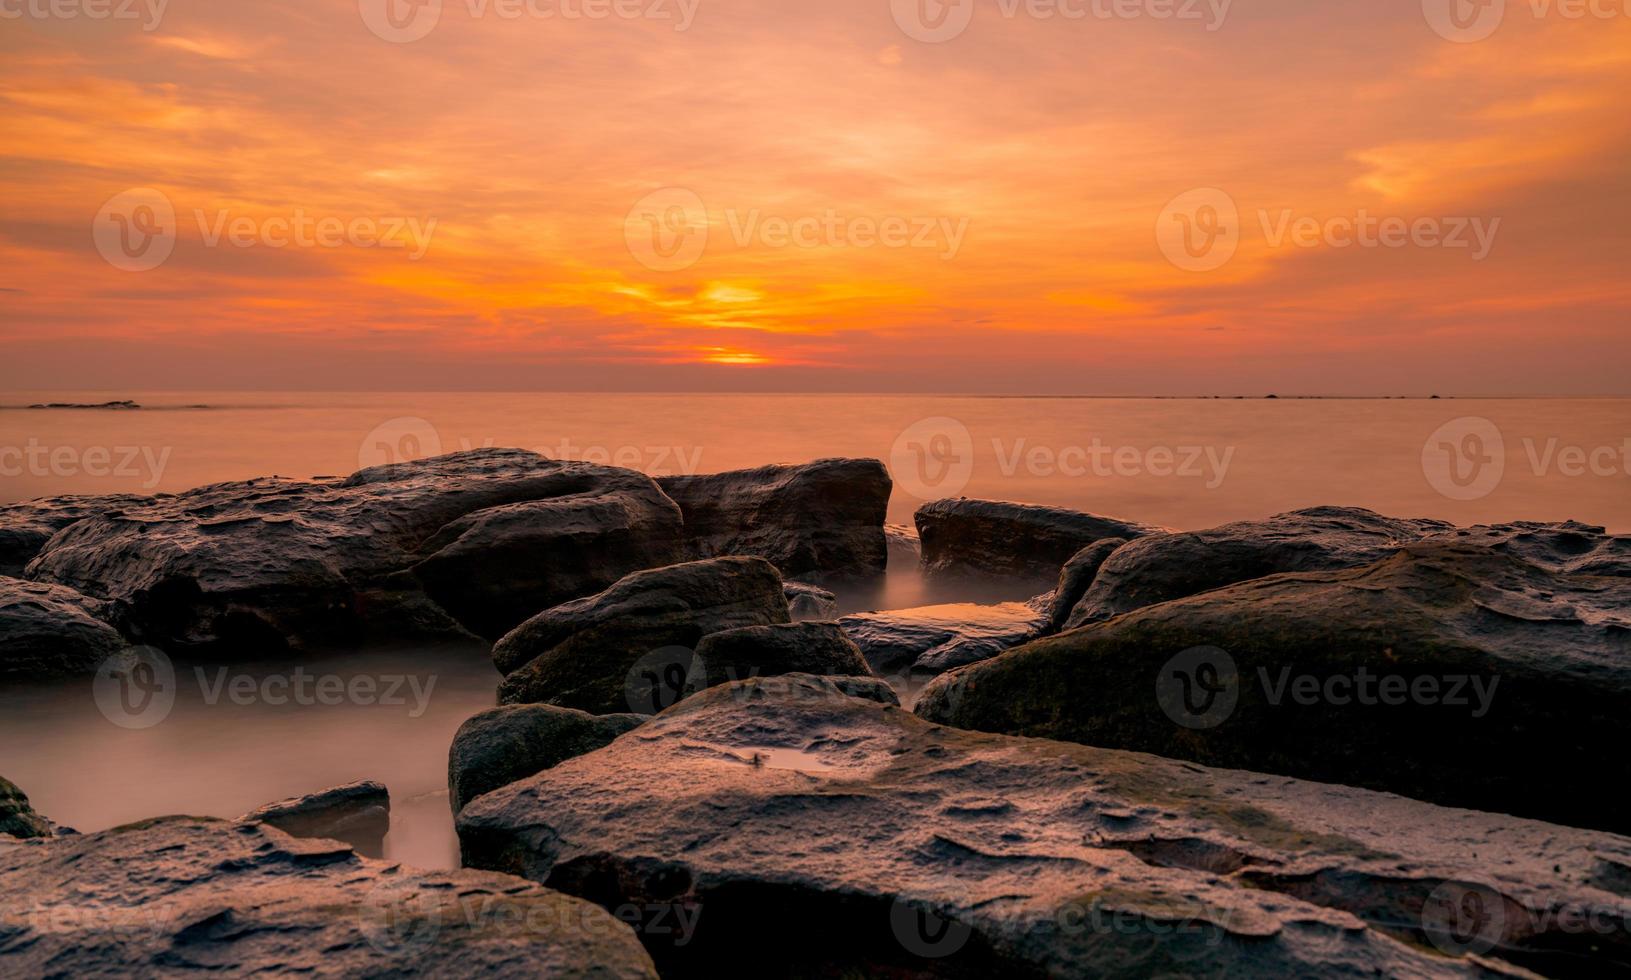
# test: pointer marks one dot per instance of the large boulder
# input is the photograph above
(357, 813)
(510, 743)
(17, 817)
(438, 549)
(1076, 578)
(51, 631)
(1172, 566)
(828, 836)
(1449, 671)
(994, 539)
(820, 521)
(810, 602)
(184, 896)
(26, 527)
(588, 654)
(931, 640)
(795, 648)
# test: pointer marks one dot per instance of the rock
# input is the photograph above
(117, 405)
(17, 817)
(585, 654)
(501, 746)
(763, 651)
(934, 639)
(433, 550)
(51, 631)
(1076, 578)
(1172, 566)
(905, 547)
(1566, 547)
(828, 836)
(810, 602)
(820, 521)
(1504, 681)
(987, 538)
(183, 895)
(357, 813)
(26, 527)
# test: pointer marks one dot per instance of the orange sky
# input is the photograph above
(1048, 147)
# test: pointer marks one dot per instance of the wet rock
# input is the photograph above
(810, 602)
(1449, 672)
(17, 817)
(124, 405)
(820, 521)
(963, 537)
(510, 743)
(797, 648)
(27, 526)
(51, 631)
(433, 550)
(1566, 547)
(1172, 566)
(934, 639)
(357, 813)
(905, 547)
(181, 895)
(825, 835)
(1076, 578)
(585, 654)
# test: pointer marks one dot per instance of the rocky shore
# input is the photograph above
(1323, 743)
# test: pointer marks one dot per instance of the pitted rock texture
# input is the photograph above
(52, 631)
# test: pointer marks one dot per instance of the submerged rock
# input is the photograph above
(1449, 671)
(26, 527)
(1172, 566)
(357, 813)
(810, 602)
(586, 654)
(963, 537)
(438, 549)
(820, 521)
(825, 835)
(510, 743)
(51, 631)
(183, 895)
(763, 651)
(17, 817)
(934, 639)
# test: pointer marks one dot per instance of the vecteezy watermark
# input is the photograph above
(1200, 230)
(668, 230)
(663, 678)
(137, 688)
(1470, 21)
(145, 463)
(933, 458)
(137, 230)
(938, 21)
(148, 13)
(924, 933)
(405, 21)
(1200, 688)
(410, 438)
(1466, 458)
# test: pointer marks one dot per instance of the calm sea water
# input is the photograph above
(1181, 463)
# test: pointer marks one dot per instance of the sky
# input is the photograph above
(987, 196)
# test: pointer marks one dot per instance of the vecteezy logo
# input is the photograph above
(1199, 688)
(1465, 459)
(136, 687)
(400, 440)
(400, 21)
(667, 230)
(932, 21)
(924, 934)
(135, 231)
(933, 458)
(1461, 918)
(1199, 230)
(1464, 21)
(399, 916)
(663, 678)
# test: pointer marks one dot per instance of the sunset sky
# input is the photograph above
(1045, 149)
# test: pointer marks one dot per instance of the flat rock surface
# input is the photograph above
(473, 542)
(357, 813)
(1449, 671)
(51, 631)
(184, 896)
(821, 834)
(992, 538)
(25, 527)
(820, 521)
